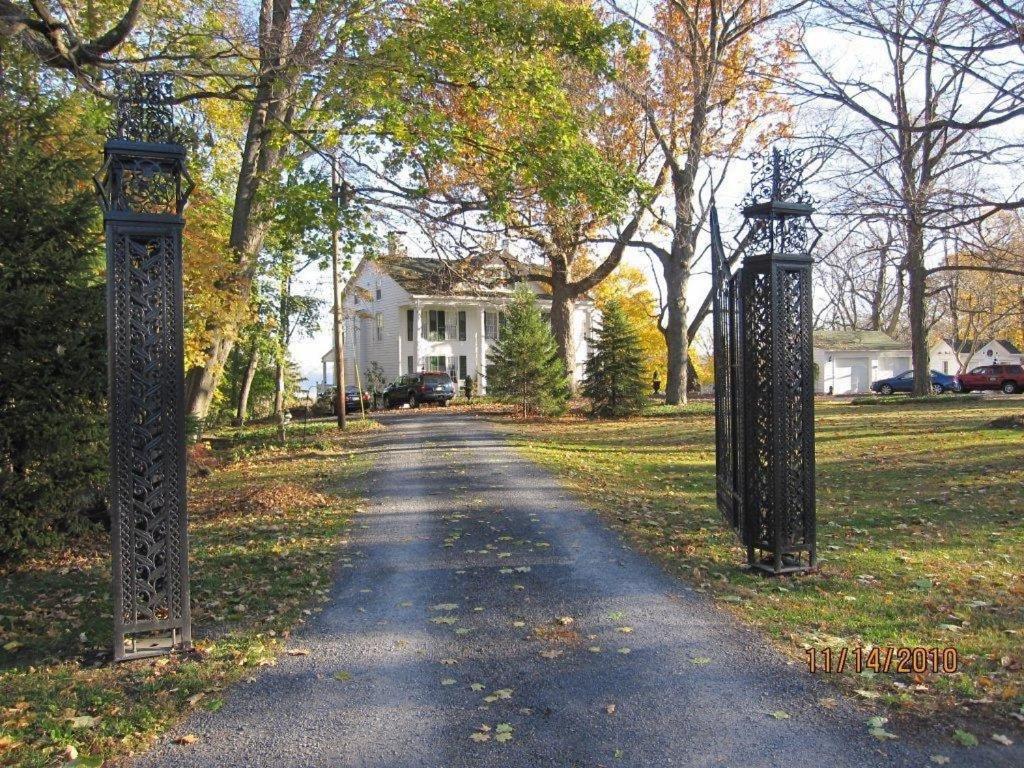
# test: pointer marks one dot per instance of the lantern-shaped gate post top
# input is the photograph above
(155, 180)
(143, 187)
(778, 207)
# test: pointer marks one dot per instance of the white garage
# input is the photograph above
(846, 362)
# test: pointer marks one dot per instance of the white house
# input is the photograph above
(846, 362)
(952, 356)
(415, 314)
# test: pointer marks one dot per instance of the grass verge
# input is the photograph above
(265, 531)
(920, 530)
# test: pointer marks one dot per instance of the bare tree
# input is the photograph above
(922, 133)
(705, 97)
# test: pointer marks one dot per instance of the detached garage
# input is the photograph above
(846, 362)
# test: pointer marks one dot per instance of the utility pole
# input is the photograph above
(338, 193)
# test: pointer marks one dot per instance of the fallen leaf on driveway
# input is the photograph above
(700, 660)
(553, 654)
(939, 759)
(298, 651)
(1001, 739)
(444, 607)
(624, 651)
(780, 714)
(342, 675)
(188, 738)
(610, 709)
(449, 681)
(965, 738)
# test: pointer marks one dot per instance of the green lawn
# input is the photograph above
(920, 530)
(265, 530)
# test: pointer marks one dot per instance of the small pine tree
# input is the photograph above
(614, 378)
(524, 367)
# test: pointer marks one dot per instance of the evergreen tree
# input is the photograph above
(52, 342)
(524, 366)
(614, 378)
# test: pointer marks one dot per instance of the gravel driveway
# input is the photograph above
(488, 620)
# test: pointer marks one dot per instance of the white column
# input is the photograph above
(324, 364)
(481, 359)
(417, 332)
(401, 336)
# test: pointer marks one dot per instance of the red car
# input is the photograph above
(1006, 378)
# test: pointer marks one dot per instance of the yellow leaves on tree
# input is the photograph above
(987, 304)
(629, 285)
(209, 275)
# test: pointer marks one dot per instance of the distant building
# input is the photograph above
(848, 361)
(952, 356)
(422, 314)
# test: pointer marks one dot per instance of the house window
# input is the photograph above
(378, 290)
(380, 326)
(410, 323)
(462, 325)
(435, 325)
(436, 362)
(463, 368)
(410, 365)
(490, 325)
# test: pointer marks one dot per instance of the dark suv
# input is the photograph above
(416, 388)
(1008, 378)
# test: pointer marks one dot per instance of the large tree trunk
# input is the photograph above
(918, 331)
(243, 396)
(675, 333)
(561, 326)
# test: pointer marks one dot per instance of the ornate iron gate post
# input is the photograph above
(143, 187)
(764, 373)
(778, 370)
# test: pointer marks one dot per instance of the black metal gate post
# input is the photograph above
(764, 374)
(143, 187)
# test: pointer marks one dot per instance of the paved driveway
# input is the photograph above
(465, 551)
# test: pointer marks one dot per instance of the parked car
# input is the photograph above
(941, 382)
(325, 402)
(416, 388)
(1006, 378)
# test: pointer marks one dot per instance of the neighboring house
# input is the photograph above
(952, 356)
(848, 361)
(417, 314)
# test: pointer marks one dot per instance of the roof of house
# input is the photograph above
(856, 341)
(463, 277)
(970, 346)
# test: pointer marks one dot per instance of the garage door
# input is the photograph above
(852, 375)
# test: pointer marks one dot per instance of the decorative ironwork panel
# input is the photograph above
(144, 188)
(145, 108)
(724, 305)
